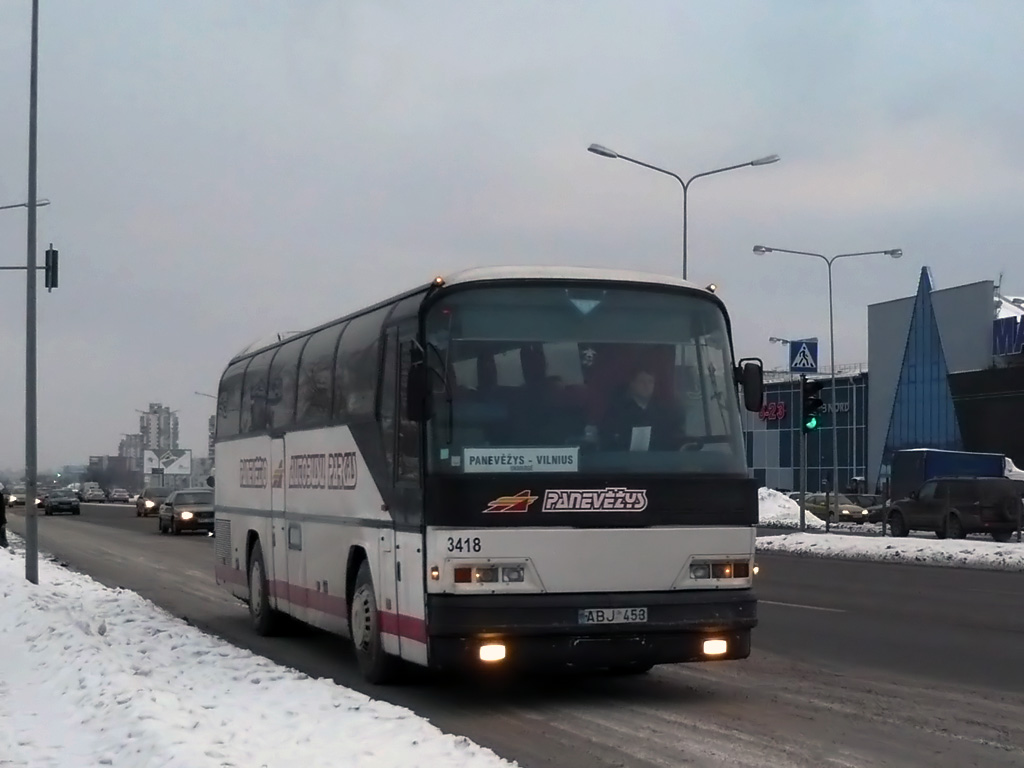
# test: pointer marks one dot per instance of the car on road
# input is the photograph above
(148, 502)
(62, 500)
(95, 496)
(119, 496)
(187, 509)
(16, 497)
(953, 507)
(822, 505)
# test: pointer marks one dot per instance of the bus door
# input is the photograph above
(407, 507)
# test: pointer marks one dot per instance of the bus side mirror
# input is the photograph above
(750, 374)
(417, 386)
(209, 481)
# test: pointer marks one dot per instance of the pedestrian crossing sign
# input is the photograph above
(803, 356)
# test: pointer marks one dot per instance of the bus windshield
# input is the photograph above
(559, 378)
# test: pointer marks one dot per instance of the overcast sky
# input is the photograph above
(221, 169)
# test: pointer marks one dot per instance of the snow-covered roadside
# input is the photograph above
(92, 676)
(964, 553)
(776, 510)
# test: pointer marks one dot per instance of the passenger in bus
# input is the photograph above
(636, 421)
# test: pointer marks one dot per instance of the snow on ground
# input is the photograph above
(963, 553)
(92, 676)
(779, 511)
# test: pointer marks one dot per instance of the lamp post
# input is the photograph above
(31, 445)
(894, 253)
(603, 151)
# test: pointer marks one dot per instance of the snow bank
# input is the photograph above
(779, 511)
(964, 553)
(92, 676)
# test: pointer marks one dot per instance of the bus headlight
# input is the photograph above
(700, 571)
(721, 569)
(491, 573)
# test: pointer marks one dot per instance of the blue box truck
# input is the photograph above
(913, 467)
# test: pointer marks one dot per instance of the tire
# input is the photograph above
(76, 512)
(955, 528)
(48, 512)
(265, 620)
(376, 666)
(897, 525)
(1001, 536)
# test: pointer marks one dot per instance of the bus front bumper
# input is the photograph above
(548, 630)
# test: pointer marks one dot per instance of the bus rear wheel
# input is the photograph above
(376, 666)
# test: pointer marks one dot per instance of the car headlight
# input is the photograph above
(186, 515)
(149, 504)
(39, 501)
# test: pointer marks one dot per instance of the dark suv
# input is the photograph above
(956, 506)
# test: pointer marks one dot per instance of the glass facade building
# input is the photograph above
(923, 414)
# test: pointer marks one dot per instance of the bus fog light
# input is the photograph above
(715, 647)
(492, 652)
(700, 571)
(756, 569)
(513, 574)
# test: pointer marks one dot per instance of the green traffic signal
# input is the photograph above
(811, 423)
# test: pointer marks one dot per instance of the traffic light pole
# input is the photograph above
(803, 459)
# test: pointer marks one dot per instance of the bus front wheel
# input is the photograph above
(264, 618)
(376, 666)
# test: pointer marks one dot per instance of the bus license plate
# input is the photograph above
(613, 615)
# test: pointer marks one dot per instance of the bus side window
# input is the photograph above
(254, 393)
(229, 400)
(408, 431)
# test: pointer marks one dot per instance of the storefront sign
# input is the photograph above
(837, 407)
(773, 412)
(1008, 336)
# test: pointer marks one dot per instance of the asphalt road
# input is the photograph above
(854, 664)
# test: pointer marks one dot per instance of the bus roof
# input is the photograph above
(483, 275)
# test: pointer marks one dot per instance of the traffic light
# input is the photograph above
(51, 269)
(813, 405)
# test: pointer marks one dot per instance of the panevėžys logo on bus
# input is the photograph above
(596, 500)
(520, 502)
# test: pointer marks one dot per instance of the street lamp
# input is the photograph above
(205, 394)
(39, 204)
(894, 253)
(603, 151)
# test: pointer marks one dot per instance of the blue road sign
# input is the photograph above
(803, 356)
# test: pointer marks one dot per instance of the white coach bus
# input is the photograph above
(512, 466)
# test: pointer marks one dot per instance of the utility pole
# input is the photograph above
(803, 459)
(31, 455)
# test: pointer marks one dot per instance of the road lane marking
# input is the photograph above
(799, 605)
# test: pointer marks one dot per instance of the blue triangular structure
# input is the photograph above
(923, 415)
